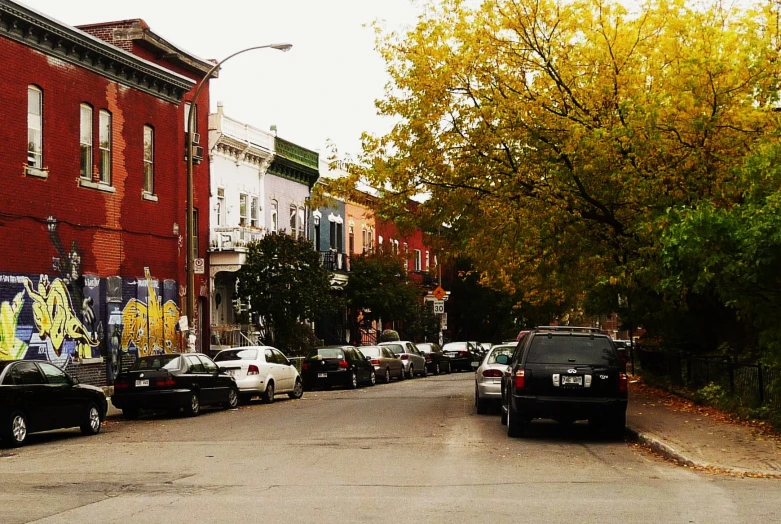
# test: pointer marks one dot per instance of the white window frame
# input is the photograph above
(274, 226)
(105, 130)
(34, 127)
(186, 120)
(85, 141)
(220, 206)
(301, 223)
(418, 259)
(428, 260)
(243, 212)
(254, 220)
(293, 212)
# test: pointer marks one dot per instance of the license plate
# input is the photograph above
(322, 375)
(565, 380)
(141, 383)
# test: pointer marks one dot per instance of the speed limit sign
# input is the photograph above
(439, 307)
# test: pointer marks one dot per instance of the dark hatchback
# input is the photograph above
(436, 361)
(174, 382)
(38, 396)
(342, 366)
(565, 374)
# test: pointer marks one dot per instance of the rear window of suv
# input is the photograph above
(568, 349)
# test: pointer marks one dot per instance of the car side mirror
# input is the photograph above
(367, 358)
(503, 359)
(75, 381)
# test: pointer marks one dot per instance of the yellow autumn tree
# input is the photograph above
(552, 136)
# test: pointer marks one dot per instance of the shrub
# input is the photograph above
(389, 335)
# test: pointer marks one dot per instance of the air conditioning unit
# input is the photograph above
(197, 153)
(196, 138)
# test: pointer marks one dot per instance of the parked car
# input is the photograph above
(337, 366)
(488, 377)
(567, 374)
(461, 354)
(260, 370)
(436, 361)
(39, 396)
(414, 362)
(173, 382)
(386, 364)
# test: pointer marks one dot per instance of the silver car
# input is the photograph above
(488, 377)
(386, 364)
(414, 362)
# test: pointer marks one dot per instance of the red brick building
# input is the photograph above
(93, 192)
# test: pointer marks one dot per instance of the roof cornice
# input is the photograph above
(38, 31)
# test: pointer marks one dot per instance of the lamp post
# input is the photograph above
(190, 205)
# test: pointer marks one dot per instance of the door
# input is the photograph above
(284, 370)
(32, 396)
(68, 407)
(420, 362)
(196, 375)
(218, 383)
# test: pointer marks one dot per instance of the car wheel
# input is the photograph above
(233, 399)
(411, 373)
(16, 429)
(372, 378)
(298, 390)
(92, 423)
(449, 368)
(353, 381)
(268, 395)
(130, 413)
(515, 424)
(480, 404)
(194, 408)
(387, 375)
(401, 374)
(436, 369)
(424, 373)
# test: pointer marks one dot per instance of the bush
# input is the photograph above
(389, 335)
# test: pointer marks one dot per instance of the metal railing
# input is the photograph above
(230, 238)
(335, 261)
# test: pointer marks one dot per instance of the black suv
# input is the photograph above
(567, 374)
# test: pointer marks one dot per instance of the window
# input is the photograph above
(27, 374)
(220, 206)
(104, 141)
(242, 209)
(54, 375)
(427, 260)
(336, 236)
(293, 221)
(351, 239)
(364, 239)
(317, 233)
(280, 358)
(274, 216)
(208, 365)
(301, 222)
(34, 127)
(149, 159)
(194, 364)
(187, 106)
(253, 212)
(417, 254)
(85, 142)
(371, 240)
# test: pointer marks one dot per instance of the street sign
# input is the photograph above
(439, 293)
(199, 266)
(443, 321)
(439, 307)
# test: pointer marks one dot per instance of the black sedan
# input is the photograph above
(173, 382)
(38, 396)
(436, 360)
(337, 366)
(461, 354)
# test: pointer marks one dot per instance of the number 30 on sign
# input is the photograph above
(439, 307)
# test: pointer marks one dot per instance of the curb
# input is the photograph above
(671, 453)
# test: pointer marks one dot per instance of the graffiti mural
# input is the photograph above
(150, 327)
(41, 318)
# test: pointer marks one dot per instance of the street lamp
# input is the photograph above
(190, 210)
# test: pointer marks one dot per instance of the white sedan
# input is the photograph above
(488, 377)
(261, 370)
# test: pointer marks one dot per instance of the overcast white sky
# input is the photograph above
(323, 88)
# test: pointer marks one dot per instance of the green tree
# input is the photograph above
(379, 287)
(285, 284)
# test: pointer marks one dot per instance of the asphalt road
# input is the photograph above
(413, 451)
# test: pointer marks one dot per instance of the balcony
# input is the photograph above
(233, 238)
(335, 262)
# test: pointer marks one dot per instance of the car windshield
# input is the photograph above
(424, 348)
(396, 348)
(157, 362)
(326, 353)
(499, 350)
(571, 350)
(236, 354)
(371, 351)
(455, 346)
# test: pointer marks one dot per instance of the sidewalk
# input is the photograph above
(698, 436)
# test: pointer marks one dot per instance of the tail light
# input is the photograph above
(463, 353)
(404, 357)
(121, 384)
(375, 361)
(344, 364)
(165, 382)
(520, 379)
(253, 370)
(304, 366)
(622, 382)
(428, 357)
(495, 373)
